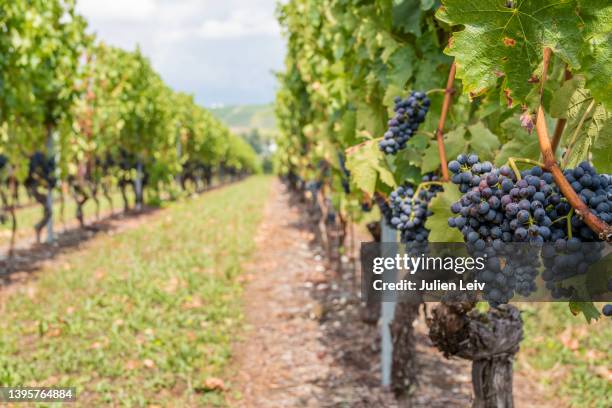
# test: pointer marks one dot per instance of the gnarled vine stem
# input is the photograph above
(602, 229)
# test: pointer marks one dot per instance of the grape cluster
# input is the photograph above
(366, 206)
(409, 114)
(41, 171)
(499, 209)
(409, 212)
(385, 209)
(596, 191)
(346, 175)
(571, 255)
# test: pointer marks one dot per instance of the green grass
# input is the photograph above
(142, 317)
(28, 216)
(570, 357)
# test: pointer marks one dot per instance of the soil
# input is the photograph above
(305, 344)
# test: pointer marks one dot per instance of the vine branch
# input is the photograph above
(448, 94)
(602, 229)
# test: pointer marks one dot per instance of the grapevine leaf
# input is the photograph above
(562, 98)
(407, 16)
(362, 162)
(431, 159)
(384, 174)
(454, 142)
(415, 148)
(597, 139)
(393, 90)
(588, 129)
(602, 148)
(483, 141)
(368, 118)
(507, 38)
(597, 52)
(588, 309)
(521, 144)
(405, 171)
(402, 69)
(437, 223)
(427, 4)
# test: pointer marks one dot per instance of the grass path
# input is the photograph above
(143, 317)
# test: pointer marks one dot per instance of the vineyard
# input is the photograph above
(485, 123)
(146, 261)
(81, 119)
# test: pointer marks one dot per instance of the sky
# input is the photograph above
(222, 51)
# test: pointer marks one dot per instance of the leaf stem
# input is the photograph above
(512, 163)
(514, 160)
(577, 130)
(440, 131)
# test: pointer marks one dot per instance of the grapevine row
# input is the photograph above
(80, 117)
(353, 72)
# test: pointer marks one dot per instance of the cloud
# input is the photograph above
(124, 10)
(241, 23)
(222, 51)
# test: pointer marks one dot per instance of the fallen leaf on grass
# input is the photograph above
(99, 274)
(54, 332)
(132, 365)
(569, 339)
(214, 384)
(604, 372)
(194, 303)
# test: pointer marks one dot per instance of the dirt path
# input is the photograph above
(285, 359)
(305, 344)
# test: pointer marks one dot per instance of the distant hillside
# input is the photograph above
(242, 118)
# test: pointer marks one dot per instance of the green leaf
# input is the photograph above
(588, 309)
(454, 143)
(597, 50)
(521, 144)
(362, 164)
(401, 66)
(563, 96)
(369, 118)
(407, 16)
(437, 223)
(589, 125)
(431, 158)
(384, 174)
(405, 171)
(498, 40)
(602, 147)
(483, 142)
